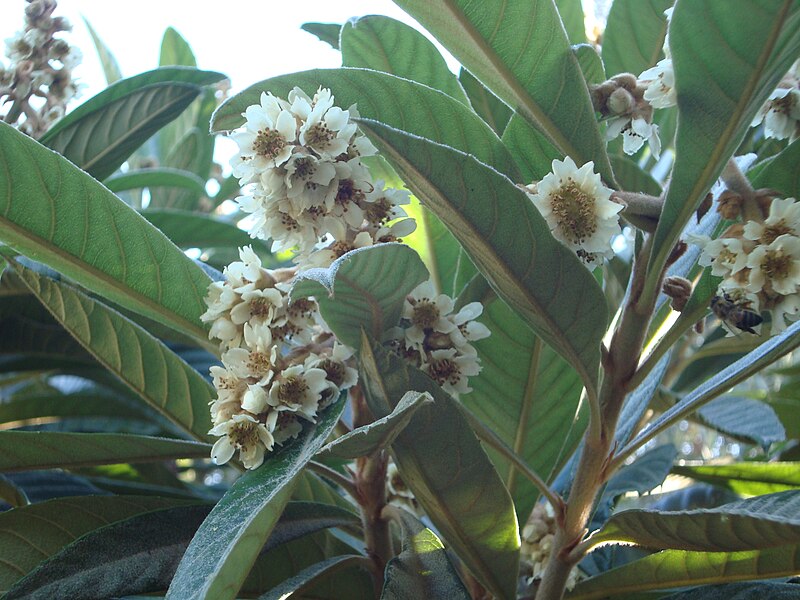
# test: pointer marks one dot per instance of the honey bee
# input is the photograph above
(735, 313)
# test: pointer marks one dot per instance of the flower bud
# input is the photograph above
(729, 205)
(679, 289)
(626, 81)
(621, 102)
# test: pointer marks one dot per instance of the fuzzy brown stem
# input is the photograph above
(736, 181)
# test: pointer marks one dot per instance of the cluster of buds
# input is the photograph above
(280, 366)
(37, 84)
(537, 543)
(759, 260)
(621, 100)
(309, 189)
(436, 340)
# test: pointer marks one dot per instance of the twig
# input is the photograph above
(347, 484)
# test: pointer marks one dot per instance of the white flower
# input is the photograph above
(784, 217)
(327, 129)
(254, 400)
(307, 175)
(245, 434)
(427, 313)
(286, 230)
(284, 425)
(780, 114)
(775, 267)
(298, 389)
(248, 270)
(577, 207)
(383, 204)
(450, 369)
(660, 80)
(339, 374)
(788, 308)
(230, 393)
(258, 307)
(635, 132)
(267, 140)
(467, 328)
(725, 256)
(257, 360)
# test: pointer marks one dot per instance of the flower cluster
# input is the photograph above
(279, 365)
(759, 261)
(435, 339)
(310, 190)
(578, 208)
(537, 542)
(781, 113)
(40, 69)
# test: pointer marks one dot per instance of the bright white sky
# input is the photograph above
(249, 40)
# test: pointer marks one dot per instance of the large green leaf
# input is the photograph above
(189, 229)
(678, 568)
(751, 478)
(189, 153)
(55, 213)
(27, 450)
(101, 133)
(306, 578)
(744, 418)
(220, 556)
(443, 463)
(143, 363)
(490, 108)
(634, 35)
(31, 534)
(325, 32)
(384, 44)
(401, 103)
(509, 241)
(527, 394)
(752, 524)
(379, 434)
(422, 569)
(175, 50)
(153, 178)
(781, 173)
(365, 288)
(740, 591)
(571, 12)
(764, 355)
(109, 63)
(520, 51)
(720, 87)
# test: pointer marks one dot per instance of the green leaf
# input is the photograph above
(719, 93)
(161, 378)
(633, 178)
(509, 241)
(109, 63)
(137, 555)
(54, 213)
(527, 394)
(752, 524)
(740, 591)
(189, 229)
(591, 64)
(449, 266)
(532, 151)
(781, 173)
(187, 154)
(27, 450)
(571, 12)
(100, 134)
(175, 50)
(488, 106)
(326, 32)
(220, 556)
(635, 32)
(12, 494)
(443, 463)
(422, 569)
(367, 439)
(750, 478)
(766, 354)
(384, 44)
(310, 575)
(744, 418)
(520, 51)
(365, 288)
(31, 534)
(156, 177)
(678, 568)
(398, 102)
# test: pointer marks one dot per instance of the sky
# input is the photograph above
(248, 40)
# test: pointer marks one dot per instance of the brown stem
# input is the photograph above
(736, 181)
(370, 486)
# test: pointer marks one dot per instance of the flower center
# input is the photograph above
(771, 232)
(292, 390)
(269, 143)
(303, 169)
(574, 210)
(334, 371)
(244, 435)
(348, 192)
(340, 248)
(776, 264)
(261, 307)
(426, 314)
(378, 212)
(259, 363)
(319, 135)
(302, 307)
(444, 370)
